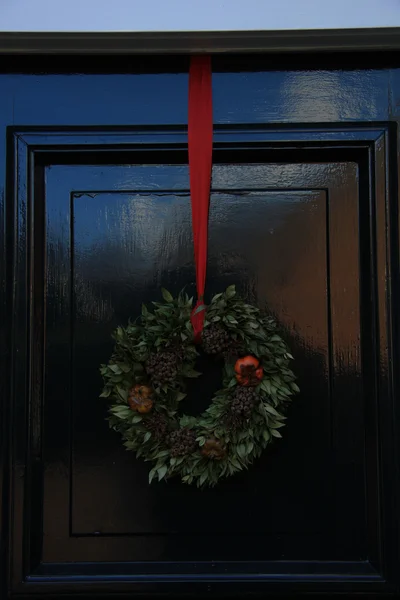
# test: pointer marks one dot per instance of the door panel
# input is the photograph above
(270, 225)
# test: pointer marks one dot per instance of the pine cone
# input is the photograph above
(242, 405)
(215, 340)
(158, 425)
(163, 367)
(182, 442)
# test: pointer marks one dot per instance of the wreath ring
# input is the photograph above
(145, 382)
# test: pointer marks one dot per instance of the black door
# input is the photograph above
(303, 222)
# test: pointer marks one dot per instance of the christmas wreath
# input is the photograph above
(145, 381)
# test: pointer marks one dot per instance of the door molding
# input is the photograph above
(214, 42)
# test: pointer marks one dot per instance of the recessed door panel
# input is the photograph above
(115, 234)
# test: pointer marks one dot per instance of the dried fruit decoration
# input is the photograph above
(248, 371)
(140, 398)
(214, 449)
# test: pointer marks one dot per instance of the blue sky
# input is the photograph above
(178, 15)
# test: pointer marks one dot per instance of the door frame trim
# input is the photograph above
(214, 42)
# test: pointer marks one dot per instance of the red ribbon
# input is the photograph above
(200, 139)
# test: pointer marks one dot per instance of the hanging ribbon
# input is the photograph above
(200, 138)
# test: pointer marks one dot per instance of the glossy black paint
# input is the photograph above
(304, 220)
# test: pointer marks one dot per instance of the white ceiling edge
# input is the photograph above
(135, 16)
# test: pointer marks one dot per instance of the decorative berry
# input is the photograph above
(182, 442)
(163, 367)
(242, 404)
(215, 340)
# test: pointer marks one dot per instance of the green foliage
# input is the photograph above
(167, 326)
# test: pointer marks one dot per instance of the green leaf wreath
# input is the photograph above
(145, 381)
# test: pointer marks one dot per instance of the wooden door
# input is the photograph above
(302, 221)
